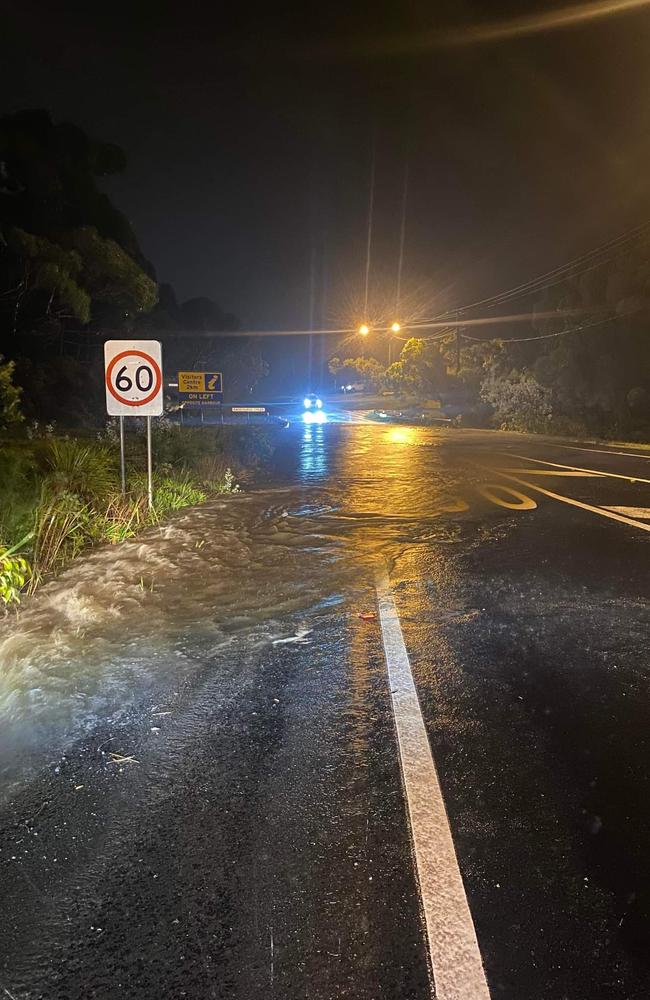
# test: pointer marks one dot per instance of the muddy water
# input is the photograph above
(133, 620)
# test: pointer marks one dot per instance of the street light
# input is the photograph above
(364, 329)
(395, 328)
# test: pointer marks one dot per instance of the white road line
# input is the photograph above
(602, 451)
(453, 949)
(603, 511)
(641, 512)
(575, 470)
(578, 474)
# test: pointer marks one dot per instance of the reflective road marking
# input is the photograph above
(453, 949)
(575, 470)
(578, 474)
(602, 451)
(577, 503)
(641, 512)
(514, 500)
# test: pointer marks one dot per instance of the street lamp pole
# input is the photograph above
(395, 328)
(402, 235)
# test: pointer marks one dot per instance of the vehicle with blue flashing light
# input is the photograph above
(313, 402)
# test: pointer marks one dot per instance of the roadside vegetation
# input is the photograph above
(71, 268)
(60, 495)
(577, 364)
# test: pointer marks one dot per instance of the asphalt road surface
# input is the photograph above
(217, 782)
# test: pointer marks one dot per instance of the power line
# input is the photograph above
(442, 326)
(591, 259)
(441, 323)
(508, 318)
(576, 267)
(548, 336)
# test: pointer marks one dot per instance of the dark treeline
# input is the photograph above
(580, 365)
(72, 274)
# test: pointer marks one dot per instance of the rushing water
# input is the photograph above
(128, 621)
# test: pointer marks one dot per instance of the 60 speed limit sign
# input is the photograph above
(134, 385)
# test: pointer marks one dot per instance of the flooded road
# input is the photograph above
(201, 792)
(130, 619)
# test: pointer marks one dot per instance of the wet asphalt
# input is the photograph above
(237, 828)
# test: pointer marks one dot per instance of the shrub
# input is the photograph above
(228, 484)
(9, 396)
(19, 492)
(14, 573)
(89, 470)
(568, 426)
(63, 527)
(520, 403)
(173, 494)
(122, 517)
(63, 495)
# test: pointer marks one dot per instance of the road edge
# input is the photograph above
(451, 938)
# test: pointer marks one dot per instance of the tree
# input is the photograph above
(602, 352)
(113, 279)
(50, 279)
(520, 403)
(70, 264)
(369, 370)
(83, 277)
(198, 337)
(477, 358)
(243, 368)
(66, 253)
(421, 369)
(48, 180)
(9, 396)
(206, 315)
(71, 268)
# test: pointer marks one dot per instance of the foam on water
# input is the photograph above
(123, 618)
(146, 615)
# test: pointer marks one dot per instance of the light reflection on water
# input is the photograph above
(130, 619)
(315, 417)
(313, 454)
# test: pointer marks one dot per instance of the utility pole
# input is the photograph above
(312, 306)
(402, 236)
(371, 208)
(457, 342)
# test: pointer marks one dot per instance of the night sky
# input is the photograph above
(248, 135)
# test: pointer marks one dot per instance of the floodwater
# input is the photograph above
(139, 618)
(260, 835)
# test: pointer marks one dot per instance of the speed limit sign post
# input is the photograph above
(134, 388)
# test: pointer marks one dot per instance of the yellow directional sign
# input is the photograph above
(200, 382)
(200, 387)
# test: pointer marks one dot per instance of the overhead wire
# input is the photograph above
(590, 259)
(548, 279)
(549, 336)
(445, 324)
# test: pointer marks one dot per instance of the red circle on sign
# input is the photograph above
(156, 371)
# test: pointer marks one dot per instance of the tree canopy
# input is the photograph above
(71, 271)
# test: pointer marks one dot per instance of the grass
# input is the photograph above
(58, 496)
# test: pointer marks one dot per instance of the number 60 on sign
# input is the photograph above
(133, 375)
